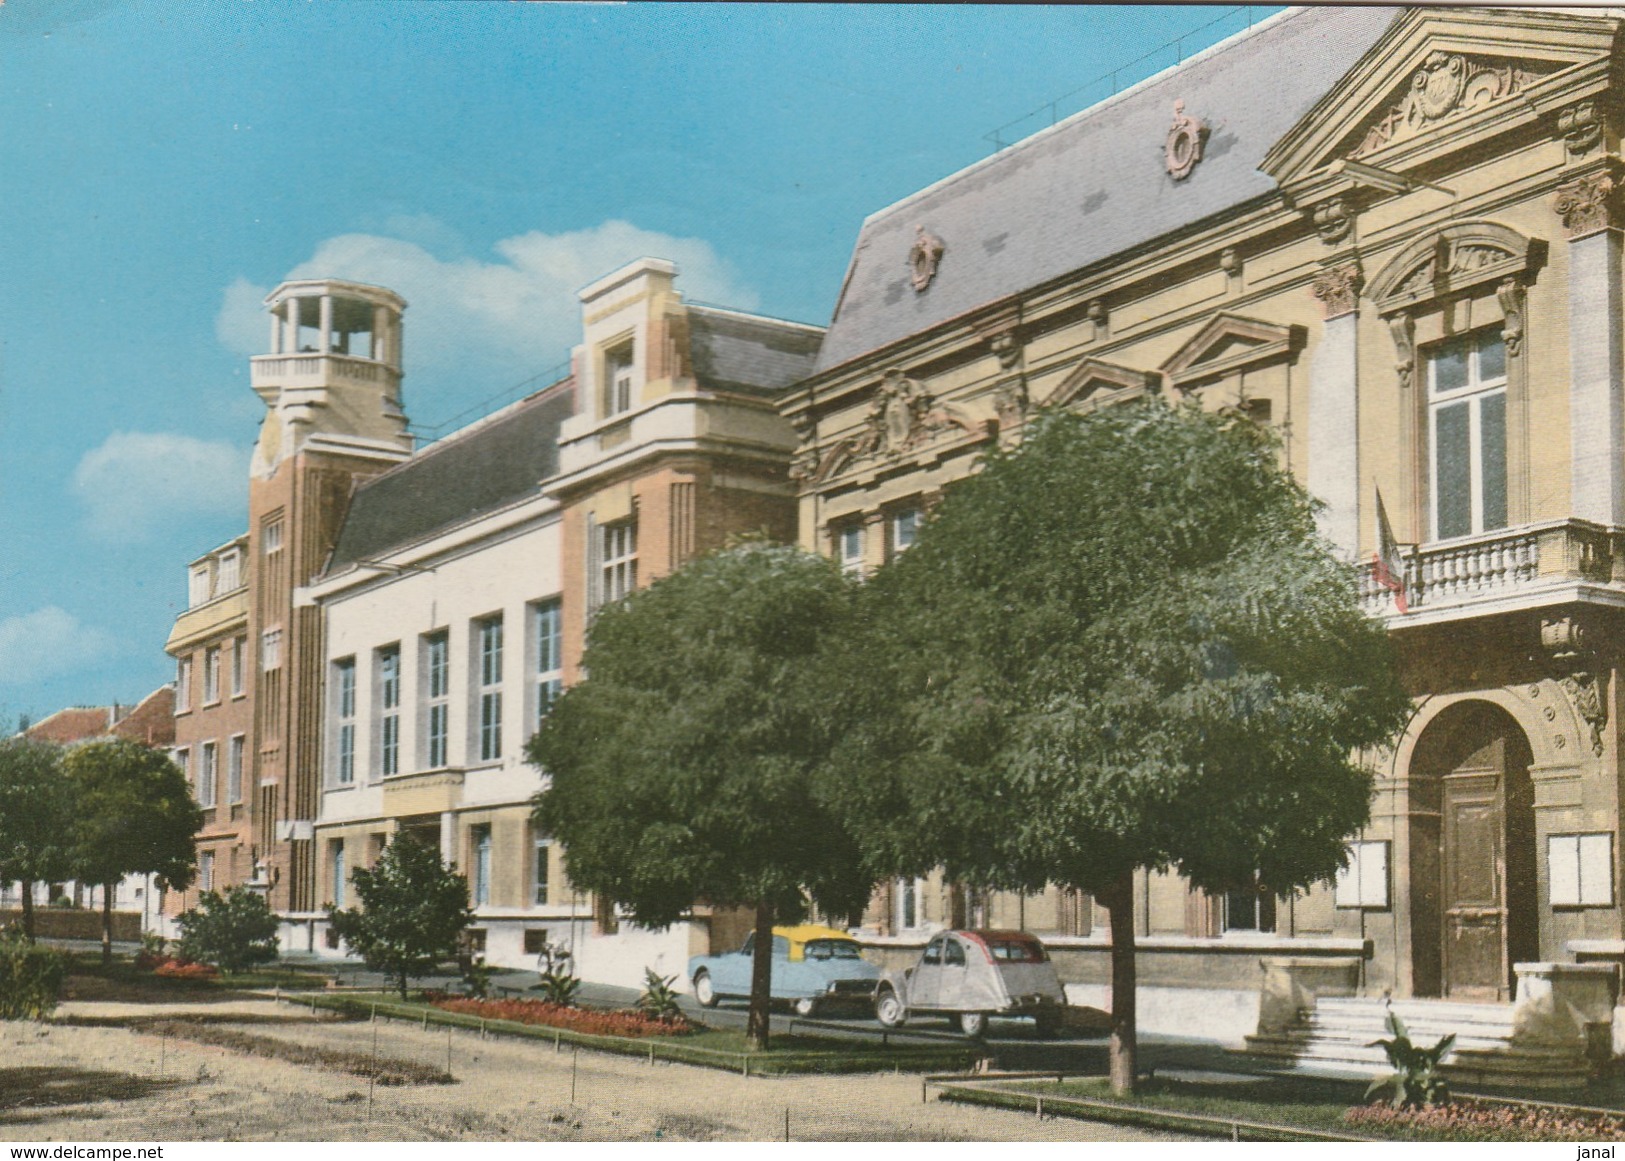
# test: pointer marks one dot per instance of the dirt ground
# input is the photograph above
(60, 1082)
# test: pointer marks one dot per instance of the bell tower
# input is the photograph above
(332, 379)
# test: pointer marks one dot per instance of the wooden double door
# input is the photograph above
(1476, 892)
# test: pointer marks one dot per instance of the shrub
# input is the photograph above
(477, 975)
(31, 978)
(232, 931)
(559, 987)
(659, 999)
(1415, 1080)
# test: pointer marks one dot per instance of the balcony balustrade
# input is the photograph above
(313, 369)
(1509, 563)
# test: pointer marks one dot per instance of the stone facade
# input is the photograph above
(1423, 301)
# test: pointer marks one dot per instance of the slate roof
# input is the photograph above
(1095, 185)
(489, 465)
(747, 353)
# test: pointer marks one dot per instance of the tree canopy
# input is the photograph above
(413, 910)
(1121, 645)
(36, 808)
(234, 931)
(133, 814)
(690, 765)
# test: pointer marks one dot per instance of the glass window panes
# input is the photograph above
(1467, 430)
(344, 696)
(489, 634)
(549, 669)
(437, 684)
(389, 710)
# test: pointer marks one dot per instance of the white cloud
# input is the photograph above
(47, 642)
(136, 482)
(514, 316)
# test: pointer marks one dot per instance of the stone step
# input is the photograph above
(1417, 1030)
(1417, 1011)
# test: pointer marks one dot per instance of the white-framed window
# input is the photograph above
(436, 698)
(902, 528)
(547, 675)
(488, 703)
(338, 872)
(1250, 908)
(197, 585)
(541, 851)
(230, 572)
(1580, 869)
(849, 547)
(1467, 426)
(239, 665)
(234, 769)
(618, 363)
(344, 717)
(1363, 881)
(205, 871)
(211, 675)
(620, 557)
(480, 840)
(271, 538)
(183, 685)
(389, 710)
(182, 757)
(207, 772)
(271, 650)
(909, 910)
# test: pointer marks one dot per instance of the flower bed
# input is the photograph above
(589, 1021)
(184, 969)
(1467, 1120)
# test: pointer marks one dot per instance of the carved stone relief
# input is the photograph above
(1509, 292)
(1448, 85)
(1182, 150)
(1565, 640)
(1010, 397)
(1402, 329)
(1580, 126)
(1333, 220)
(924, 257)
(1337, 289)
(1587, 205)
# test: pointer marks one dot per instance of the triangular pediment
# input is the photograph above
(1095, 383)
(1227, 343)
(1438, 77)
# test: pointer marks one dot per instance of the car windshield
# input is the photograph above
(832, 949)
(1017, 951)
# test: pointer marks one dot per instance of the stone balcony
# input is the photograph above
(1531, 566)
(314, 369)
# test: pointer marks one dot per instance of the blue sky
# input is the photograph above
(163, 164)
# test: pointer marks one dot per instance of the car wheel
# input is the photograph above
(805, 1006)
(889, 1009)
(973, 1023)
(703, 991)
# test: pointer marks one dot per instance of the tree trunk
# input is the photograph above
(761, 980)
(1118, 900)
(400, 982)
(107, 925)
(28, 909)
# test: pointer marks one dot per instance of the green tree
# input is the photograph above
(36, 812)
(233, 931)
(413, 909)
(690, 764)
(1120, 646)
(133, 814)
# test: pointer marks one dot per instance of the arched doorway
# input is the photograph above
(1472, 854)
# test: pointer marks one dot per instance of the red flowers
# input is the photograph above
(175, 969)
(537, 1012)
(1466, 1120)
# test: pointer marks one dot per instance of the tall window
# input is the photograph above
(620, 559)
(488, 636)
(542, 848)
(211, 675)
(1467, 409)
(849, 547)
(548, 675)
(481, 839)
(344, 714)
(205, 871)
(271, 538)
(271, 650)
(338, 873)
(1252, 908)
(389, 710)
(183, 685)
(197, 586)
(436, 687)
(206, 772)
(239, 650)
(230, 573)
(234, 769)
(902, 527)
(618, 379)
